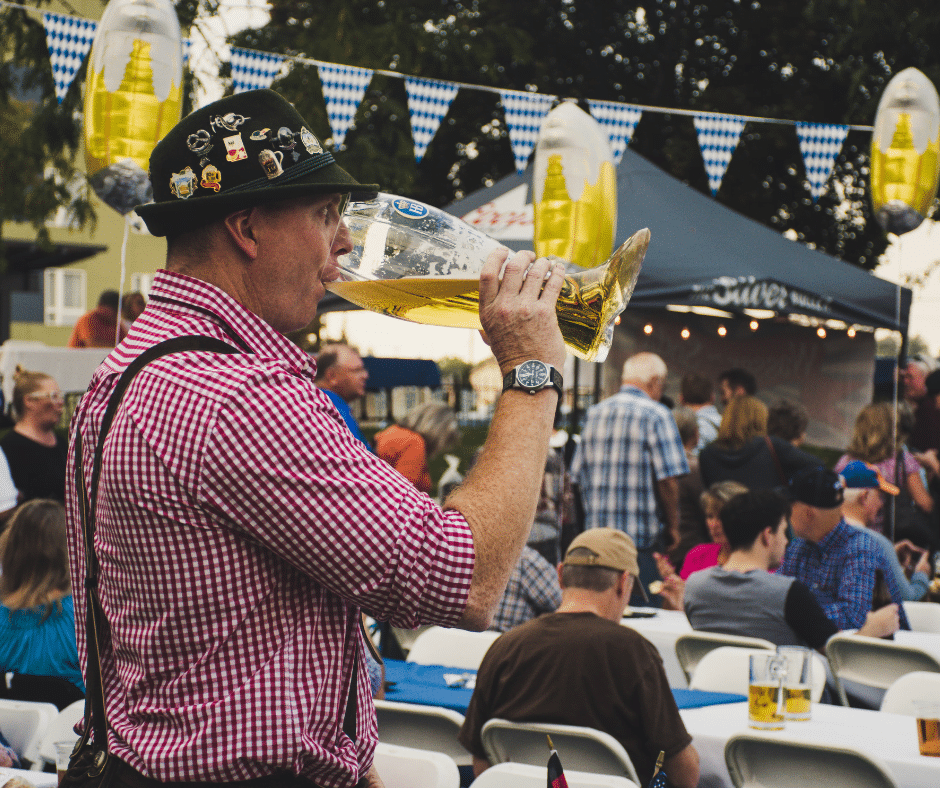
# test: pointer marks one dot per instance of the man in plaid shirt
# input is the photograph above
(240, 526)
(628, 463)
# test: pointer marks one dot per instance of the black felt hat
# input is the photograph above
(234, 153)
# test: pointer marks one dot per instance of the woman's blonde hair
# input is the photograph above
(34, 557)
(436, 423)
(874, 438)
(744, 418)
(719, 494)
(24, 384)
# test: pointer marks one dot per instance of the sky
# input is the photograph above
(910, 259)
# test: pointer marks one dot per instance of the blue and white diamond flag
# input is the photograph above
(820, 144)
(343, 89)
(428, 102)
(619, 121)
(252, 70)
(187, 45)
(524, 114)
(718, 136)
(68, 39)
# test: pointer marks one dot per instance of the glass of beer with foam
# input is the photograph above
(798, 684)
(765, 703)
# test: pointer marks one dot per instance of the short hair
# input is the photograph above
(787, 420)
(110, 299)
(696, 389)
(740, 377)
(744, 419)
(720, 493)
(24, 384)
(591, 578)
(687, 422)
(745, 516)
(436, 423)
(852, 494)
(644, 367)
(329, 357)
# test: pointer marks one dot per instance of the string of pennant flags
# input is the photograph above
(69, 40)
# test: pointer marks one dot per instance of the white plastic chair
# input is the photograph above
(585, 749)
(23, 724)
(692, 646)
(923, 616)
(874, 662)
(425, 727)
(61, 729)
(406, 767)
(524, 775)
(911, 687)
(455, 648)
(763, 761)
(727, 669)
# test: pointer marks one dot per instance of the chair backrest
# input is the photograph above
(923, 616)
(919, 685)
(61, 729)
(726, 669)
(692, 646)
(426, 727)
(406, 767)
(455, 648)
(580, 748)
(23, 725)
(874, 662)
(524, 775)
(761, 761)
(44, 689)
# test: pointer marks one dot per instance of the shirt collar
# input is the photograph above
(629, 388)
(186, 291)
(834, 537)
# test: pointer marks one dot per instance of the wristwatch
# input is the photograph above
(533, 376)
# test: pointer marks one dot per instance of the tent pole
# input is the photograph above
(574, 417)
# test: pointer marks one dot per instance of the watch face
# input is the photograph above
(532, 374)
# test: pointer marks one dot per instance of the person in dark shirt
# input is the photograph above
(34, 451)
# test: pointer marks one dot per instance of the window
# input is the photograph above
(63, 295)
(141, 283)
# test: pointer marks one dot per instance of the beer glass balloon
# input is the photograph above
(419, 263)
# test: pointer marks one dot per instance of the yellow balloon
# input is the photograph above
(133, 94)
(575, 189)
(905, 152)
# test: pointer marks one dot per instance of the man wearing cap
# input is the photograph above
(579, 666)
(743, 597)
(863, 487)
(240, 526)
(836, 561)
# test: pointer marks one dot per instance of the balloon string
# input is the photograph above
(117, 328)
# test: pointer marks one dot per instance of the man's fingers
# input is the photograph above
(489, 274)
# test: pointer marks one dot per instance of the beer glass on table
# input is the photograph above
(766, 704)
(798, 684)
(928, 726)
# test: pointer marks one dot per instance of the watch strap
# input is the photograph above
(555, 380)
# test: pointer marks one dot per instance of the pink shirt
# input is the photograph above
(700, 557)
(240, 528)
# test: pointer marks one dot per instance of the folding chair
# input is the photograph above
(763, 761)
(523, 775)
(911, 687)
(455, 648)
(405, 767)
(923, 616)
(61, 729)
(585, 749)
(23, 724)
(873, 662)
(692, 646)
(727, 669)
(425, 727)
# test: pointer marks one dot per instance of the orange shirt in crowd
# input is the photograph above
(405, 451)
(96, 329)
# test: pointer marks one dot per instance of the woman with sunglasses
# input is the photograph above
(35, 452)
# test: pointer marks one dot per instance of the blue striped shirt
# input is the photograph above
(628, 443)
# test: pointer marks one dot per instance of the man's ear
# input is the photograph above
(241, 231)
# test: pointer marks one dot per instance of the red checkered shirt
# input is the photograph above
(240, 527)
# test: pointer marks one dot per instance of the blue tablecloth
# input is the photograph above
(412, 683)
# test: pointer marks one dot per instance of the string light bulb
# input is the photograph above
(685, 333)
(851, 332)
(648, 329)
(722, 331)
(821, 332)
(753, 325)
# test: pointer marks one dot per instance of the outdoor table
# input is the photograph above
(426, 684)
(39, 779)
(890, 737)
(662, 630)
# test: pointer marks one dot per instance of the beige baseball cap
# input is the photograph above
(608, 548)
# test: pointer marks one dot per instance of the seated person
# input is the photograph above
(37, 618)
(744, 598)
(836, 561)
(579, 666)
(863, 502)
(532, 590)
